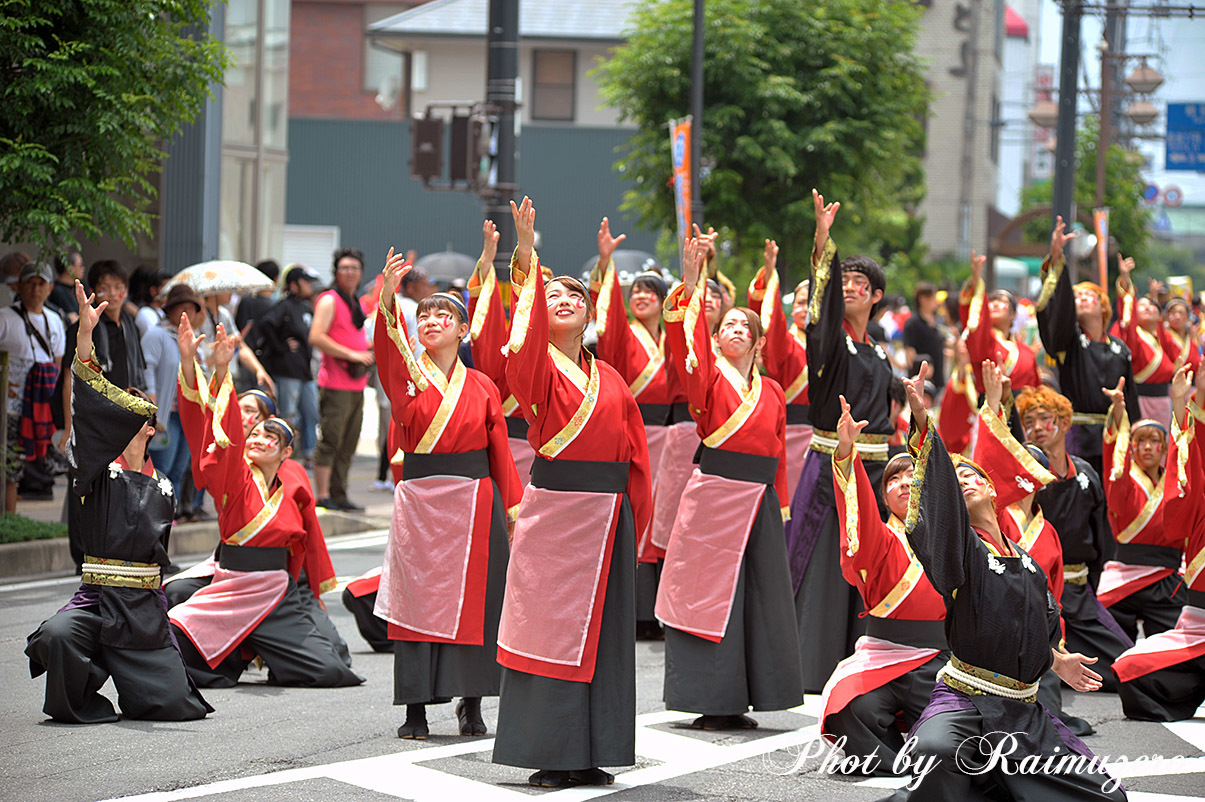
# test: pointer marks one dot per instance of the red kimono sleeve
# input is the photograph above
(780, 474)
(956, 416)
(784, 356)
(192, 403)
(690, 345)
(640, 478)
(488, 329)
(977, 327)
(527, 361)
(502, 463)
(1184, 493)
(862, 531)
(1013, 470)
(319, 570)
(396, 365)
(1122, 497)
(617, 345)
(220, 455)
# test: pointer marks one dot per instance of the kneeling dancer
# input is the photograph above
(725, 593)
(116, 623)
(1002, 624)
(567, 638)
(252, 606)
(445, 563)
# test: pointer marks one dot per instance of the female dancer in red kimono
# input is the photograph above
(567, 647)
(987, 322)
(267, 539)
(785, 357)
(193, 400)
(725, 594)
(445, 563)
(489, 332)
(1163, 676)
(639, 352)
(894, 665)
(1177, 334)
(1143, 579)
(1140, 327)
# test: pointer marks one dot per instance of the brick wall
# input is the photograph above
(326, 55)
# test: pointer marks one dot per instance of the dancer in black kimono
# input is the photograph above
(842, 360)
(1003, 629)
(116, 623)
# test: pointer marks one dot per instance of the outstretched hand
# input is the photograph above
(914, 388)
(978, 261)
(1125, 265)
(993, 385)
(88, 316)
(770, 257)
(694, 256)
(223, 347)
(187, 340)
(525, 224)
(1182, 383)
(1072, 668)
(489, 243)
(848, 430)
(825, 214)
(1117, 400)
(607, 243)
(396, 266)
(1059, 239)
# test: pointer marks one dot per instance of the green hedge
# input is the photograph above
(17, 529)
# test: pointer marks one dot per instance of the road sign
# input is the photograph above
(1186, 136)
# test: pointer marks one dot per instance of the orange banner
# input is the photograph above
(680, 149)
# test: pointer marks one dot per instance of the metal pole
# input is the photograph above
(502, 74)
(696, 112)
(1105, 136)
(1064, 154)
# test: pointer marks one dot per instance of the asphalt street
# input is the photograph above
(269, 743)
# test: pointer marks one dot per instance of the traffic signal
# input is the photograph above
(482, 151)
(427, 148)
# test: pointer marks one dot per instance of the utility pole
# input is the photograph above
(501, 78)
(1064, 154)
(696, 113)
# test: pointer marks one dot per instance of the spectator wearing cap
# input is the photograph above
(68, 269)
(35, 340)
(281, 339)
(338, 332)
(168, 448)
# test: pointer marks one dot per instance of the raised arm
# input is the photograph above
(398, 368)
(488, 328)
(938, 526)
(528, 364)
(1057, 323)
(826, 307)
(617, 344)
(686, 330)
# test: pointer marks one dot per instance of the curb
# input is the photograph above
(37, 557)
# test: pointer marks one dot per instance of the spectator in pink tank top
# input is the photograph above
(338, 332)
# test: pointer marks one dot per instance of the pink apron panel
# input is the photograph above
(1185, 642)
(799, 437)
(425, 570)
(523, 455)
(655, 435)
(552, 581)
(703, 561)
(681, 442)
(1118, 580)
(873, 664)
(218, 616)
(1156, 408)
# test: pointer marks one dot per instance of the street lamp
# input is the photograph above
(1044, 114)
(1144, 80)
(1142, 112)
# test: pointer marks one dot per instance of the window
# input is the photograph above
(554, 84)
(382, 68)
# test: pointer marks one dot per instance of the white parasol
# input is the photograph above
(209, 278)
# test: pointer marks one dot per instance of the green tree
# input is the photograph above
(1129, 216)
(91, 89)
(827, 94)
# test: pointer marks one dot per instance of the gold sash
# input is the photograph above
(589, 388)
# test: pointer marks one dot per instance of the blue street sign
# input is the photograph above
(1185, 136)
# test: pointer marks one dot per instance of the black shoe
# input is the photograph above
(327, 503)
(35, 495)
(415, 727)
(550, 779)
(468, 715)
(592, 777)
(649, 630)
(347, 505)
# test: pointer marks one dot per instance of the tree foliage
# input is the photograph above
(90, 89)
(1129, 216)
(826, 94)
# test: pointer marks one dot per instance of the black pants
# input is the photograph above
(151, 683)
(1169, 694)
(1157, 605)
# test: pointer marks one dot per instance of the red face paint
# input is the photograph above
(579, 302)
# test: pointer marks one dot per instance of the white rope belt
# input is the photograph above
(1081, 573)
(1089, 418)
(829, 445)
(952, 671)
(104, 569)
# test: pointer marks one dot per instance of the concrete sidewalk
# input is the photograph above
(50, 557)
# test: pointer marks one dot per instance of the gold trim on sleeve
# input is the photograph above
(486, 290)
(97, 381)
(522, 316)
(1050, 279)
(822, 271)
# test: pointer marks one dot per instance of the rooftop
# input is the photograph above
(603, 20)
